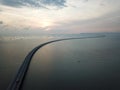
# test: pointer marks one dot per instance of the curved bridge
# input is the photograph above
(18, 80)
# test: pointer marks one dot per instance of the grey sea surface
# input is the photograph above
(84, 64)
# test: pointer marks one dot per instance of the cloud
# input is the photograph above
(85, 0)
(54, 2)
(33, 3)
(1, 22)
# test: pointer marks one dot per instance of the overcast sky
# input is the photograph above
(59, 16)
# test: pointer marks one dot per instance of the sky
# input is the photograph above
(59, 16)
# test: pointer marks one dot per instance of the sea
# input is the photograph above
(79, 64)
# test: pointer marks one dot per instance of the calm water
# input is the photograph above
(82, 64)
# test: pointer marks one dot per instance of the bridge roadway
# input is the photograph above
(19, 78)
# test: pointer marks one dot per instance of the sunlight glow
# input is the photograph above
(46, 24)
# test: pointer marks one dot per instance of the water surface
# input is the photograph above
(91, 63)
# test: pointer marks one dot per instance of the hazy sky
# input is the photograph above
(59, 16)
